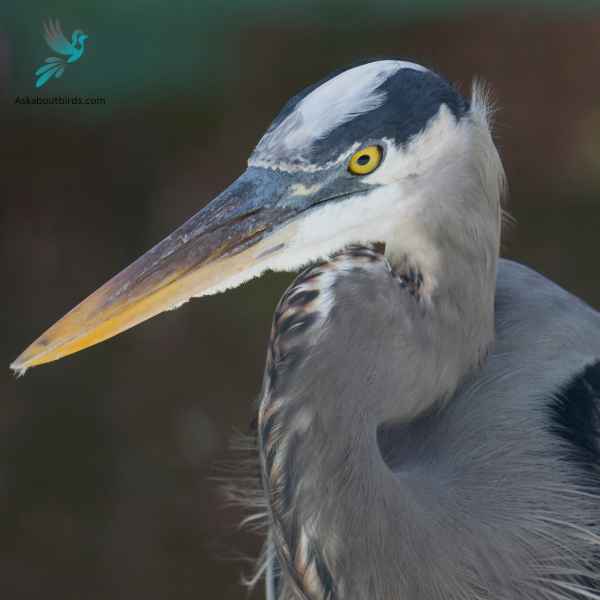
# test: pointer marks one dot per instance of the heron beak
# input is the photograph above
(227, 242)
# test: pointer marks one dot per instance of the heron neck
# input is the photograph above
(382, 352)
(448, 262)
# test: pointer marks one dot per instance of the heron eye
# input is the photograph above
(365, 161)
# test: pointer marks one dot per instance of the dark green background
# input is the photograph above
(106, 457)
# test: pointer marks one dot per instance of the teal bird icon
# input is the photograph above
(57, 41)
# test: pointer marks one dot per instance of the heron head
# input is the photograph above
(383, 152)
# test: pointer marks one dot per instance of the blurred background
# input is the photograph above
(106, 457)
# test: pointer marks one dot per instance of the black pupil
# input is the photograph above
(363, 160)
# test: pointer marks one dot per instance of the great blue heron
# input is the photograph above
(430, 415)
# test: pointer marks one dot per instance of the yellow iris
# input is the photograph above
(365, 161)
